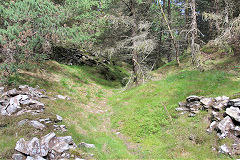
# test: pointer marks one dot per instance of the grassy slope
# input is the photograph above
(85, 114)
(139, 112)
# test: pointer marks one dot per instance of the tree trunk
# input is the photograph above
(169, 36)
(134, 51)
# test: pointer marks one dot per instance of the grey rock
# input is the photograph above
(216, 116)
(193, 98)
(22, 122)
(222, 98)
(34, 147)
(181, 109)
(226, 125)
(1, 90)
(182, 104)
(194, 106)
(61, 147)
(86, 145)
(45, 143)
(59, 118)
(234, 112)
(207, 102)
(236, 131)
(35, 158)
(212, 126)
(62, 97)
(18, 156)
(37, 124)
(22, 146)
(224, 149)
(66, 139)
(191, 115)
(234, 102)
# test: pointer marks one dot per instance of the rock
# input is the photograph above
(45, 143)
(216, 116)
(22, 122)
(236, 131)
(79, 159)
(34, 147)
(35, 158)
(226, 125)
(67, 139)
(22, 146)
(46, 121)
(234, 102)
(12, 93)
(193, 98)
(222, 98)
(61, 147)
(224, 149)
(61, 128)
(62, 97)
(1, 90)
(192, 115)
(220, 103)
(59, 118)
(212, 127)
(207, 102)
(18, 156)
(33, 104)
(234, 112)
(37, 125)
(182, 104)
(181, 109)
(194, 106)
(86, 145)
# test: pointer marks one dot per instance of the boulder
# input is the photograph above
(61, 147)
(194, 106)
(34, 147)
(45, 143)
(226, 125)
(22, 146)
(193, 98)
(224, 149)
(207, 102)
(18, 156)
(59, 118)
(212, 127)
(234, 112)
(37, 125)
(86, 145)
(234, 102)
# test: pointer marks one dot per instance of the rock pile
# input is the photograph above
(48, 147)
(23, 100)
(224, 118)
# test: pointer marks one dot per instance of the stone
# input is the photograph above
(194, 106)
(61, 146)
(62, 97)
(224, 149)
(191, 115)
(182, 104)
(37, 125)
(1, 90)
(181, 109)
(22, 122)
(45, 143)
(207, 102)
(222, 98)
(67, 139)
(22, 146)
(216, 116)
(234, 112)
(193, 98)
(59, 118)
(226, 125)
(12, 93)
(35, 158)
(86, 145)
(18, 156)
(34, 147)
(33, 104)
(236, 131)
(212, 127)
(234, 102)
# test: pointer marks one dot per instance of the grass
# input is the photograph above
(97, 110)
(139, 113)
(88, 90)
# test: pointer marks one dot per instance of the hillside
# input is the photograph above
(131, 124)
